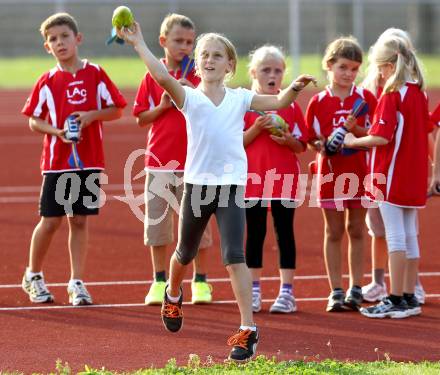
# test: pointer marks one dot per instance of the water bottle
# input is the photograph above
(72, 128)
(335, 141)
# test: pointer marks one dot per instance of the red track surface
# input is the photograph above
(132, 337)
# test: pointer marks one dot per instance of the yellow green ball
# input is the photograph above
(279, 125)
(122, 17)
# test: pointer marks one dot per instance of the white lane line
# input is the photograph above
(123, 305)
(210, 280)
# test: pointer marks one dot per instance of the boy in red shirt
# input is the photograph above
(74, 87)
(165, 159)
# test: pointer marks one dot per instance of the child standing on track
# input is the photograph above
(267, 152)
(341, 176)
(165, 159)
(377, 290)
(399, 135)
(83, 89)
(215, 172)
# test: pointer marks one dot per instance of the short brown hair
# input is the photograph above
(342, 48)
(58, 19)
(175, 19)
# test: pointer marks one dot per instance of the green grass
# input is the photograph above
(263, 366)
(127, 72)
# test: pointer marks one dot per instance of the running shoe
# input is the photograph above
(256, 301)
(201, 292)
(336, 301)
(374, 292)
(420, 294)
(156, 292)
(244, 345)
(172, 314)
(386, 309)
(284, 304)
(78, 294)
(354, 298)
(36, 288)
(414, 306)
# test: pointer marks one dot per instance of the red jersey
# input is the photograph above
(166, 142)
(273, 169)
(325, 113)
(402, 117)
(435, 116)
(55, 96)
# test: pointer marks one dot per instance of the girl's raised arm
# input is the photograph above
(157, 70)
(284, 98)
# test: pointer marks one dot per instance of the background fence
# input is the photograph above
(300, 26)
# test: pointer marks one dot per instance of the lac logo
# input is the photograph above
(76, 95)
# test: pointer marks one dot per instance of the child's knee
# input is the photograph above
(78, 222)
(50, 224)
(334, 234)
(184, 256)
(356, 232)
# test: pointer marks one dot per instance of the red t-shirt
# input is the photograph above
(273, 169)
(166, 142)
(55, 96)
(435, 116)
(325, 113)
(402, 117)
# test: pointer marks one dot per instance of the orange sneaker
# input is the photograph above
(172, 315)
(244, 345)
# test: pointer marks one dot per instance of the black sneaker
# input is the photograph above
(354, 298)
(172, 315)
(336, 301)
(414, 307)
(387, 309)
(244, 345)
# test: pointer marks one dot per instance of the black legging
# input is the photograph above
(198, 203)
(256, 218)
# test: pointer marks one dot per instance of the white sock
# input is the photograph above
(74, 281)
(173, 299)
(244, 328)
(30, 274)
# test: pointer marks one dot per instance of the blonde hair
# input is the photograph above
(342, 48)
(262, 53)
(393, 49)
(229, 48)
(58, 19)
(371, 80)
(172, 19)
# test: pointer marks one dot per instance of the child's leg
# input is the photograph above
(334, 230)
(283, 218)
(40, 242)
(191, 227)
(256, 222)
(413, 251)
(379, 251)
(396, 241)
(231, 223)
(78, 242)
(355, 230)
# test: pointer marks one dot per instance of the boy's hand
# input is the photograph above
(349, 140)
(185, 82)
(302, 81)
(165, 101)
(85, 118)
(318, 145)
(61, 135)
(350, 123)
(282, 139)
(132, 35)
(263, 123)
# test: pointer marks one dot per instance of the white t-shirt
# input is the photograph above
(215, 154)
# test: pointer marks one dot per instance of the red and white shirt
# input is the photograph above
(325, 113)
(55, 96)
(401, 117)
(273, 169)
(435, 116)
(167, 140)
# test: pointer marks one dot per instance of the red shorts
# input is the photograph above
(340, 204)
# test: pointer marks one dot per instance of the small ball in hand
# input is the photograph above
(122, 17)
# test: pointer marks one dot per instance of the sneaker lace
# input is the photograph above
(240, 339)
(171, 310)
(81, 290)
(39, 286)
